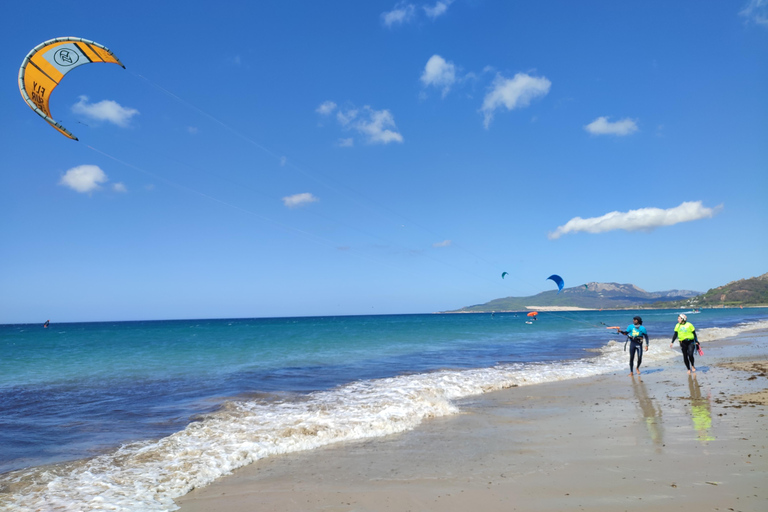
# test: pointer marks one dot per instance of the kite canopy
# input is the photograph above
(559, 280)
(503, 274)
(47, 63)
(533, 313)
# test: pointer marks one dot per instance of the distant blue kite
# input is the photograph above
(503, 274)
(559, 280)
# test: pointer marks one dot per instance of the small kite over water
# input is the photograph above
(47, 63)
(559, 280)
(503, 274)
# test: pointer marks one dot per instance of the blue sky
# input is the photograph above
(284, 158)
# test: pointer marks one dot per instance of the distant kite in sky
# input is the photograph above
(503, 274)
(559, 280)
(47, 63)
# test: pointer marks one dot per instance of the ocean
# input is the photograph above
(127, 416)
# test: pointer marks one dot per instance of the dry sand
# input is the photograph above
(661, 442)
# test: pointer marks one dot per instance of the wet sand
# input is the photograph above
(663, 441)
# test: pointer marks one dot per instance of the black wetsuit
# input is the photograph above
(689, 349)
(636, 345)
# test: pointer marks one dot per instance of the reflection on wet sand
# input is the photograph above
(651, 413)
(701, 410)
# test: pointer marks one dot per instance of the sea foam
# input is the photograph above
(147, 476)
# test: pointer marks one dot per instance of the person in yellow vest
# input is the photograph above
(686, 333)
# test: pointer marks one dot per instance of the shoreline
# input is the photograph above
(606, 442)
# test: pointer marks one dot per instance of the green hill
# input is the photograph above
(744, 292)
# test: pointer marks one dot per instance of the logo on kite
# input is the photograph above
(64, 57)
(503, 274)
(47, 63)
(559, 280)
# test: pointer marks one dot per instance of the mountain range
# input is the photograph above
(744, 292)
(590, 295)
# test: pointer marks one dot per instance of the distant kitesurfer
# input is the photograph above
(46, 323)
(635, 334)
(686, 333)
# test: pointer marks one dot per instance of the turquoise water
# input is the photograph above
(84, 396)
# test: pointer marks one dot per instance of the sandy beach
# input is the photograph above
(663, 441)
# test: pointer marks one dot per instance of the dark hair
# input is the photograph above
(639, 320)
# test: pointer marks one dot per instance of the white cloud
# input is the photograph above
(192, 130)
(756, 11)
(440, 8)
(326, 108)
(346, 117)
(444, 243)
(439, 73)
(84, 178)
(513, 93)
(602, 126)
(644, 219)
(376, 126)
(297, 200)
(400, 14)
(120, 187)
(106, 110)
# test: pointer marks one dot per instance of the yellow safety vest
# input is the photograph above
(684, 331)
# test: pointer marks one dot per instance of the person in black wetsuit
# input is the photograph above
(689, 341)
(635, 333)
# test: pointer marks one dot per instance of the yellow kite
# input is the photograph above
(47, 63)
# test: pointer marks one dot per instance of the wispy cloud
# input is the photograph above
(84, 178)
(402, 13)
(437, 10)
(439, 73)
(297, 200)
(513, 93)
(326, 108)
(106, 110)
(602, 126)
(120, 187)
(444, 243)
(644, 219)
(376, 126)
(756, 11)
